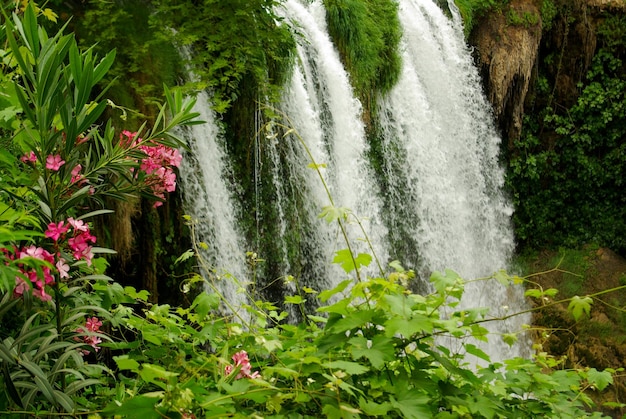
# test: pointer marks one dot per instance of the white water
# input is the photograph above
(437, 115)
(321, 107)
(211, 205)
(444, 181)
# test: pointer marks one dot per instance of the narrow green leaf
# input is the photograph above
(10, 386)
(64, 400)
(78, 385)
(94, 213)
(103, 66)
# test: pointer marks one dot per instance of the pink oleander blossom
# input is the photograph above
(29, 157)
(129, 139)
(78, 225)
(39, 278)
(63, 268)
(241, 360)
(54, 162)
(92, 325)
(76, 176)
(55, 231)
(157, 164)
(21, 287)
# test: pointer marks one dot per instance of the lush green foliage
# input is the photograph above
(94, 348)
(367, 35)
(568, 189)
(134, 81)
(236, 43)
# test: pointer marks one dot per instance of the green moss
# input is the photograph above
(367, 34)
(472, 10)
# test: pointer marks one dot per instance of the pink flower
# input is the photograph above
(21, 287)
(241, 360)
(55, 231)
(63, 268)
(54, 162)
(39, 278)
(29, 157)
(76, 176)
(92, 325)
(78, 225)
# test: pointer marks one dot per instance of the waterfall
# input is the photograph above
(441, 152)
(211, 205)
(437, 201)
(320, 106)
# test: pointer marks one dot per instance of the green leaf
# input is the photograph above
(204, 303)
(535, 293)
(578, 306)
(156, 374)
(138, 407)
(124, 362)
(477, 352)
(413, 404)
(408, 328)
(330, 213)
(447, 283)
(186, 255)
(599, 379)
(349, 263)
(352, 368)
(509, 338)
(503, 277)
(326, 294)
(294, 299)
(353, 320)
(372, 408)
(378, 351)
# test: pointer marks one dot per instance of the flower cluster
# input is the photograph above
(53, 161)
(80, 243)
(241, 360)
(38, 277)
(92, 325)
(157, 165)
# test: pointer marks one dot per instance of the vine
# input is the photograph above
(567, 169)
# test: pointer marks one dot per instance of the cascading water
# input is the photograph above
(211, 205)
(437, 123)
(320, 106)
(441, 204)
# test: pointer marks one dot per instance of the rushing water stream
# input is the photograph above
(437, 202)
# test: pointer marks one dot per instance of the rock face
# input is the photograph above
(512, 42)
(507, 55)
